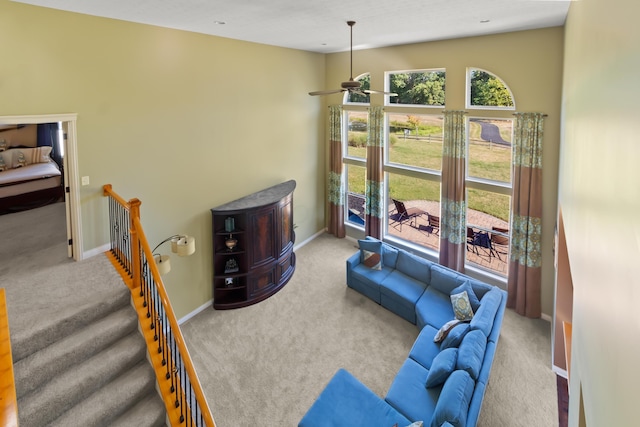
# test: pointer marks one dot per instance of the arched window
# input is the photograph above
(486, 90)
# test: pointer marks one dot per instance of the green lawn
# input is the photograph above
(489, 162)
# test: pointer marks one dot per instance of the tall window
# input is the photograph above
(413, 158)
(355, 162)
(488, 178)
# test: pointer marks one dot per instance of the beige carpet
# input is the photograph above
(265, 364)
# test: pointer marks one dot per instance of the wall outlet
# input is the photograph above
(85, 180)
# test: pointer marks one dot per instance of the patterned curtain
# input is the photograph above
(336, 180)
(524, 282)
(452, 204)
(374, 191)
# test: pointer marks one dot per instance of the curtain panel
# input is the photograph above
(453, 208)
(525, 260)
(335, 188)
(374, 214)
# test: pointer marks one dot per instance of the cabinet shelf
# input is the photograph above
(264, 250)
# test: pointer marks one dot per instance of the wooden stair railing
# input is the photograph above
(8, 400)
(131, 255)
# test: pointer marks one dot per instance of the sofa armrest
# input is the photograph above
(353, 260)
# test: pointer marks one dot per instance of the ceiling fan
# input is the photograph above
(351, 86)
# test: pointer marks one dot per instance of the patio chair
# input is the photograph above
(403, 215)
(500, 242)
(479, 239)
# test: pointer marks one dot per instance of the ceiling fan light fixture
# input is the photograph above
(351, 85)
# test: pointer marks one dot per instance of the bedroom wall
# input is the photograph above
(530, 62)
(182, 121)
(600, 200)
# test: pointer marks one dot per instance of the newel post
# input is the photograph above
(134, 213)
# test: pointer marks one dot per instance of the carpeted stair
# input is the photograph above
(88, 368)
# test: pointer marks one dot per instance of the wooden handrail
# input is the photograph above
(173, 322)
(169, 363)
(8, 400)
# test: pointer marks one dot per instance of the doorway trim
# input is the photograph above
(71, 156)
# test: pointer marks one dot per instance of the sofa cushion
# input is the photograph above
(461, 306)
(473, 299)
(486, 314)
(455, 336)
(424, 350)
(371, 253)
(408, 394)
(346, 401)
(443, 365)
(434, 308)
(453, 403)
(444, 279)
(414, 266)
(399, 294)
(471, 353)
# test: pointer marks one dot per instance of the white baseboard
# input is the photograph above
(301, 244)
(203, 307)
(546, 317)
(96, 251)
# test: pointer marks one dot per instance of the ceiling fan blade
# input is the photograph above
(326, 92)
(381, 92)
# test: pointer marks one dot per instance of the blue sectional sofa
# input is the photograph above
(442, 382)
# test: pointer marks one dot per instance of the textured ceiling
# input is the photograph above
(320, 26)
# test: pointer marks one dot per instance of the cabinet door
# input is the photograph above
(286, 227)
(263, 246)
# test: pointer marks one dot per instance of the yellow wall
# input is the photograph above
(182, 121)
(530, 62)
(600, 200)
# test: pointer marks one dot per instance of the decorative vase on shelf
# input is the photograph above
(230, 243)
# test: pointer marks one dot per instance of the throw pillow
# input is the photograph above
(453, 404)
(3, 166)
(455, 336)
(473, 299)
(371, 254)
(3, 145)
(461, 306)
(444, 331)
(442, 366)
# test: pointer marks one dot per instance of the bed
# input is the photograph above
(28, 178)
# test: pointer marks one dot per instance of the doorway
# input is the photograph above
(67, 130)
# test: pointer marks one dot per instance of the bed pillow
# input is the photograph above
(29, 156)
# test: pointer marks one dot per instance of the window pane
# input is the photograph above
(488, 230)
(490, 149)
(355, 194)
(357, 134)
(421, 200)
(488, 90)
(415, 140)
(424, 87)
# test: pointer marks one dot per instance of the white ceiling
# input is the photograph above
(320, 26)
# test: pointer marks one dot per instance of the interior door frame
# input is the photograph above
(72, 197)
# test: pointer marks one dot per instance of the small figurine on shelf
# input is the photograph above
(229, 282)
(231, 266)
